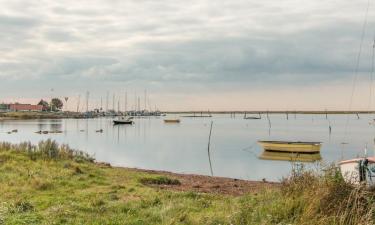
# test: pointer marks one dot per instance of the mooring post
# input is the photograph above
(208, 149)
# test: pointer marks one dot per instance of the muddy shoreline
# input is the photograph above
(208, 184)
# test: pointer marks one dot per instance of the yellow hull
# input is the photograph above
(286, 156)
(172, 121)
(283, 146)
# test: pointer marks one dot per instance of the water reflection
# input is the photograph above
(290, 156)
(152, 144)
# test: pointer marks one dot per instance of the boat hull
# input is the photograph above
(172, 121)
(298, 147)
(117, 122)
(358, 170)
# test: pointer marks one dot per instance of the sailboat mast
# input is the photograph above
(87, 100)
(107, 102)
(126, 101)
(113, 102)
(78, 101)
(145, 106)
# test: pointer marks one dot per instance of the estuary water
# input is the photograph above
(152, 144)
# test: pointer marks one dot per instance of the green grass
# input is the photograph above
(52, 184)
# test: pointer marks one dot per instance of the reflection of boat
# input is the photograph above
(291, 146)
(358, 170)
(197, 116)
(172, 120)
(123, 121)
(252, 118)
(55, 132)
(290, 156)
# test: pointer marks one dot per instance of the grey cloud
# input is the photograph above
(195, 43)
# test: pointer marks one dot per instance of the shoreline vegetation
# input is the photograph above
(79, 115)
(39, 115)
(50, 183)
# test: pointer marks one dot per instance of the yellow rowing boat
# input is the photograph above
(291, 146)
(172, 120)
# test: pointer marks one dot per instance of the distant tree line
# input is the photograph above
(55, 105)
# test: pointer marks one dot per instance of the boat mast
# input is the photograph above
(107, 102)
(79, 99)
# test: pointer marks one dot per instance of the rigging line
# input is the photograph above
(371, 74)
(357, 67)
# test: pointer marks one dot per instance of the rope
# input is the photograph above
(371, 74)
(356, 68)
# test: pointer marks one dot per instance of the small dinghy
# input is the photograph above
(123, 121)
(172, 121)
(291, 146)
(252, 117)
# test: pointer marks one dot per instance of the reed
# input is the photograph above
(312, 197)
(47, 149)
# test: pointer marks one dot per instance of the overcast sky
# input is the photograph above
(197, 54)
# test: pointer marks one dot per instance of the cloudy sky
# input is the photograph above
(197, 54)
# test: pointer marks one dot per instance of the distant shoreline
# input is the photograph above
(271, 112)
(75, 115)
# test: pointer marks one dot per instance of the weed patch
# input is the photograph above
(160, 180)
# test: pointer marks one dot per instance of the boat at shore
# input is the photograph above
(358, 170)
(291, 146)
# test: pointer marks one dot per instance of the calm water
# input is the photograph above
(151, 144)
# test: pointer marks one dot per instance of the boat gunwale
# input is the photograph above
(370, 159)
(292, 142)
(293, 152)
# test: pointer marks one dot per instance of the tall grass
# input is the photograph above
(47, 150)
(308, 197)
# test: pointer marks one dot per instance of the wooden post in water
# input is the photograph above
(269, 124)
(208, 149)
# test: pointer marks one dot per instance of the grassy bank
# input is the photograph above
(52, 184)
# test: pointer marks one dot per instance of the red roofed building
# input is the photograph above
(25, 107)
